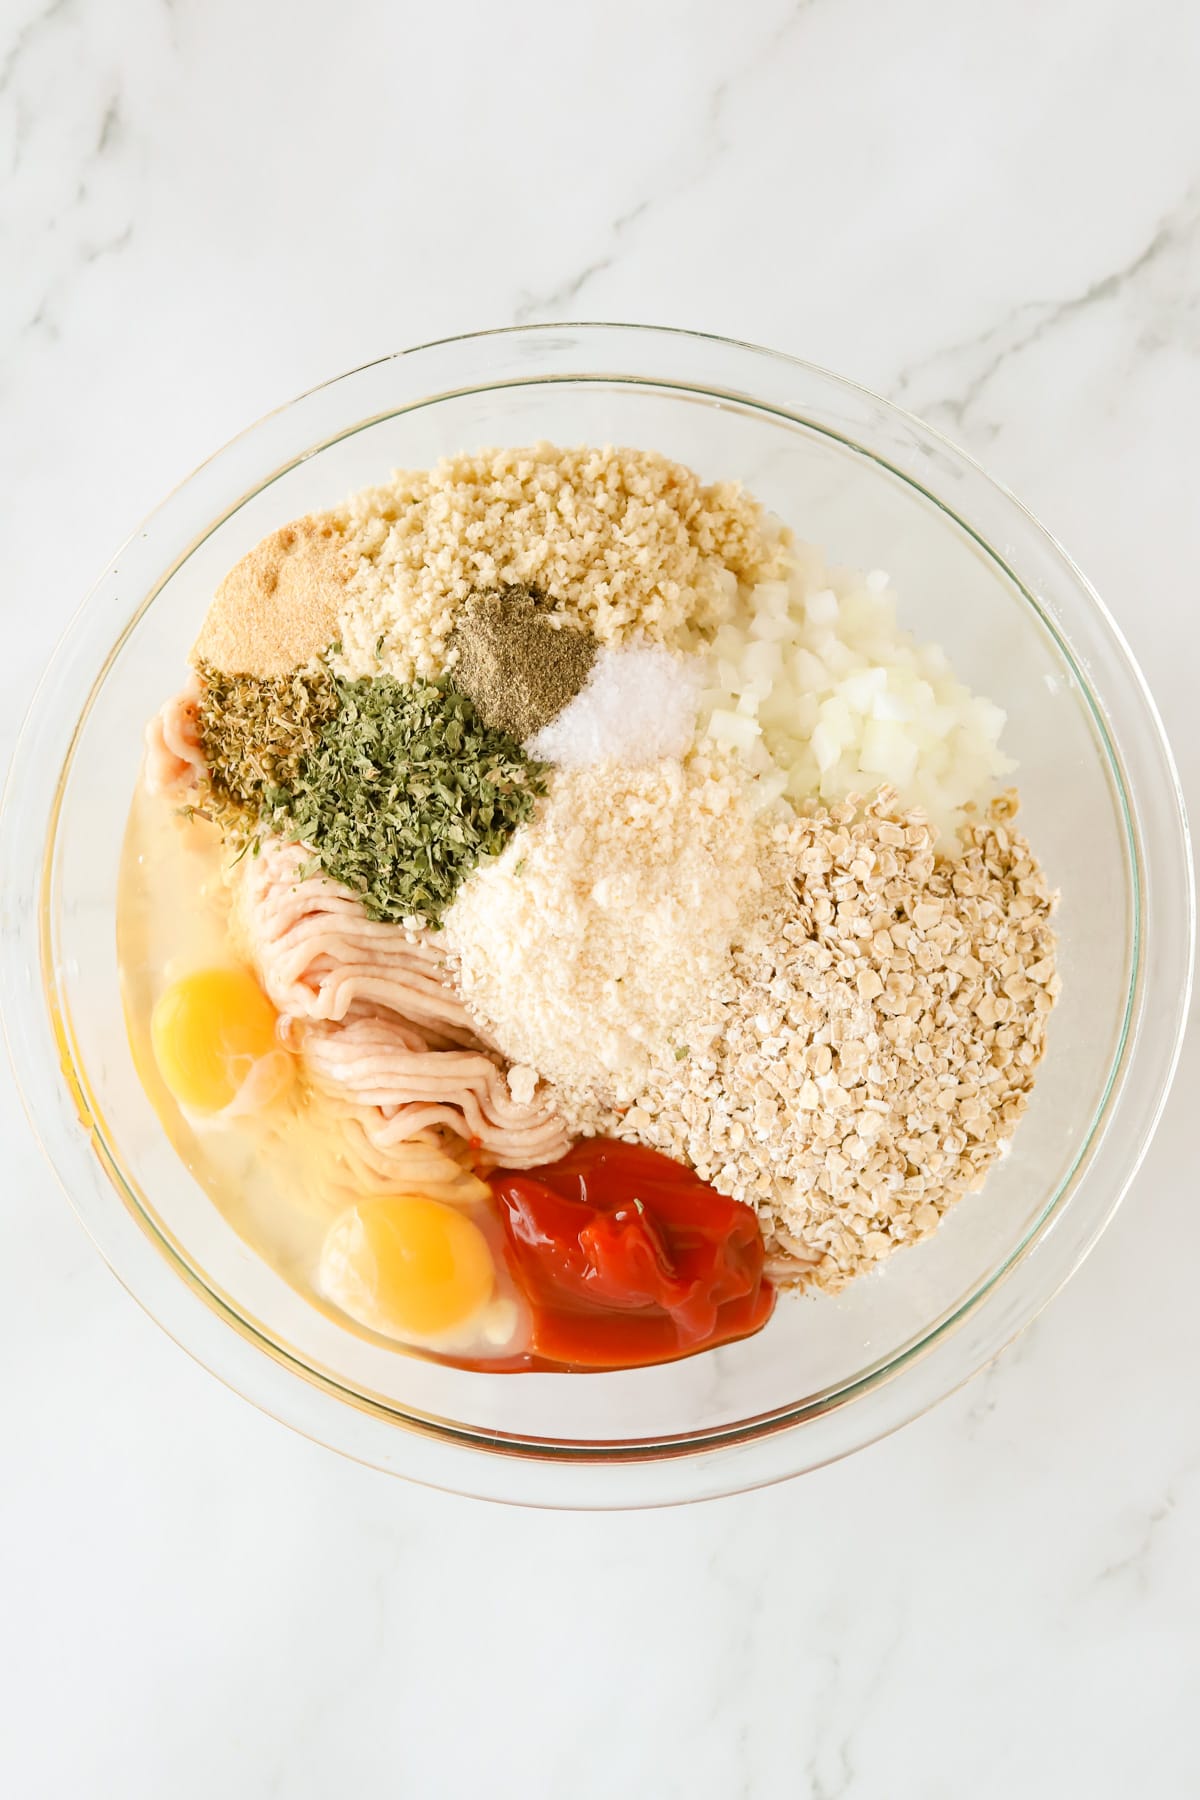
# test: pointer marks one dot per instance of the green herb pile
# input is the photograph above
(256, 733)
(398, 788)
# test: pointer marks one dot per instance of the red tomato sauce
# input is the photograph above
(628, 1258)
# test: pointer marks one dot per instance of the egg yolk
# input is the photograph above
(209, 1031)
(406, 1266)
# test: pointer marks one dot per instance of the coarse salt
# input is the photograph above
(638, 705)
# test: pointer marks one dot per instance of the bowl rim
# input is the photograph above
(435, 1450)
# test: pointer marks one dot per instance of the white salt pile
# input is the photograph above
(638, 705)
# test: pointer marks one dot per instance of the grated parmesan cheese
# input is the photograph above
(598, 944)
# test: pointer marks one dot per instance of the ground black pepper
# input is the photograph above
(518, 663)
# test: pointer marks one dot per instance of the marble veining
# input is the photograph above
(692, 161)
(950, 386)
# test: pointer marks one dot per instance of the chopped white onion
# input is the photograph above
(815, 684)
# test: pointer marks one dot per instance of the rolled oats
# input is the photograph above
(909, 996)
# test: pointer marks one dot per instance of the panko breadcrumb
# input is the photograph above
(624, 542)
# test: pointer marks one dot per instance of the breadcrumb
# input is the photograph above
(591, 947)
(622, 541)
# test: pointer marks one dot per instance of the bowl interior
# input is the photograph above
(954, 588)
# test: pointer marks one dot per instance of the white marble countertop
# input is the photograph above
(991, 214)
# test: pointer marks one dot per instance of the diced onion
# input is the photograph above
(819, 689)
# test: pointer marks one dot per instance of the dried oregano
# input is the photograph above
(256, 732)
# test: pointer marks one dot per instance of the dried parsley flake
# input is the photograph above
(403, 791)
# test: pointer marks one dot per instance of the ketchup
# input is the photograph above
(626, 1258)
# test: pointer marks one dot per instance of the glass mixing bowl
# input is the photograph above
(1101, 803)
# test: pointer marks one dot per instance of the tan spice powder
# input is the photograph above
(278, 608)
